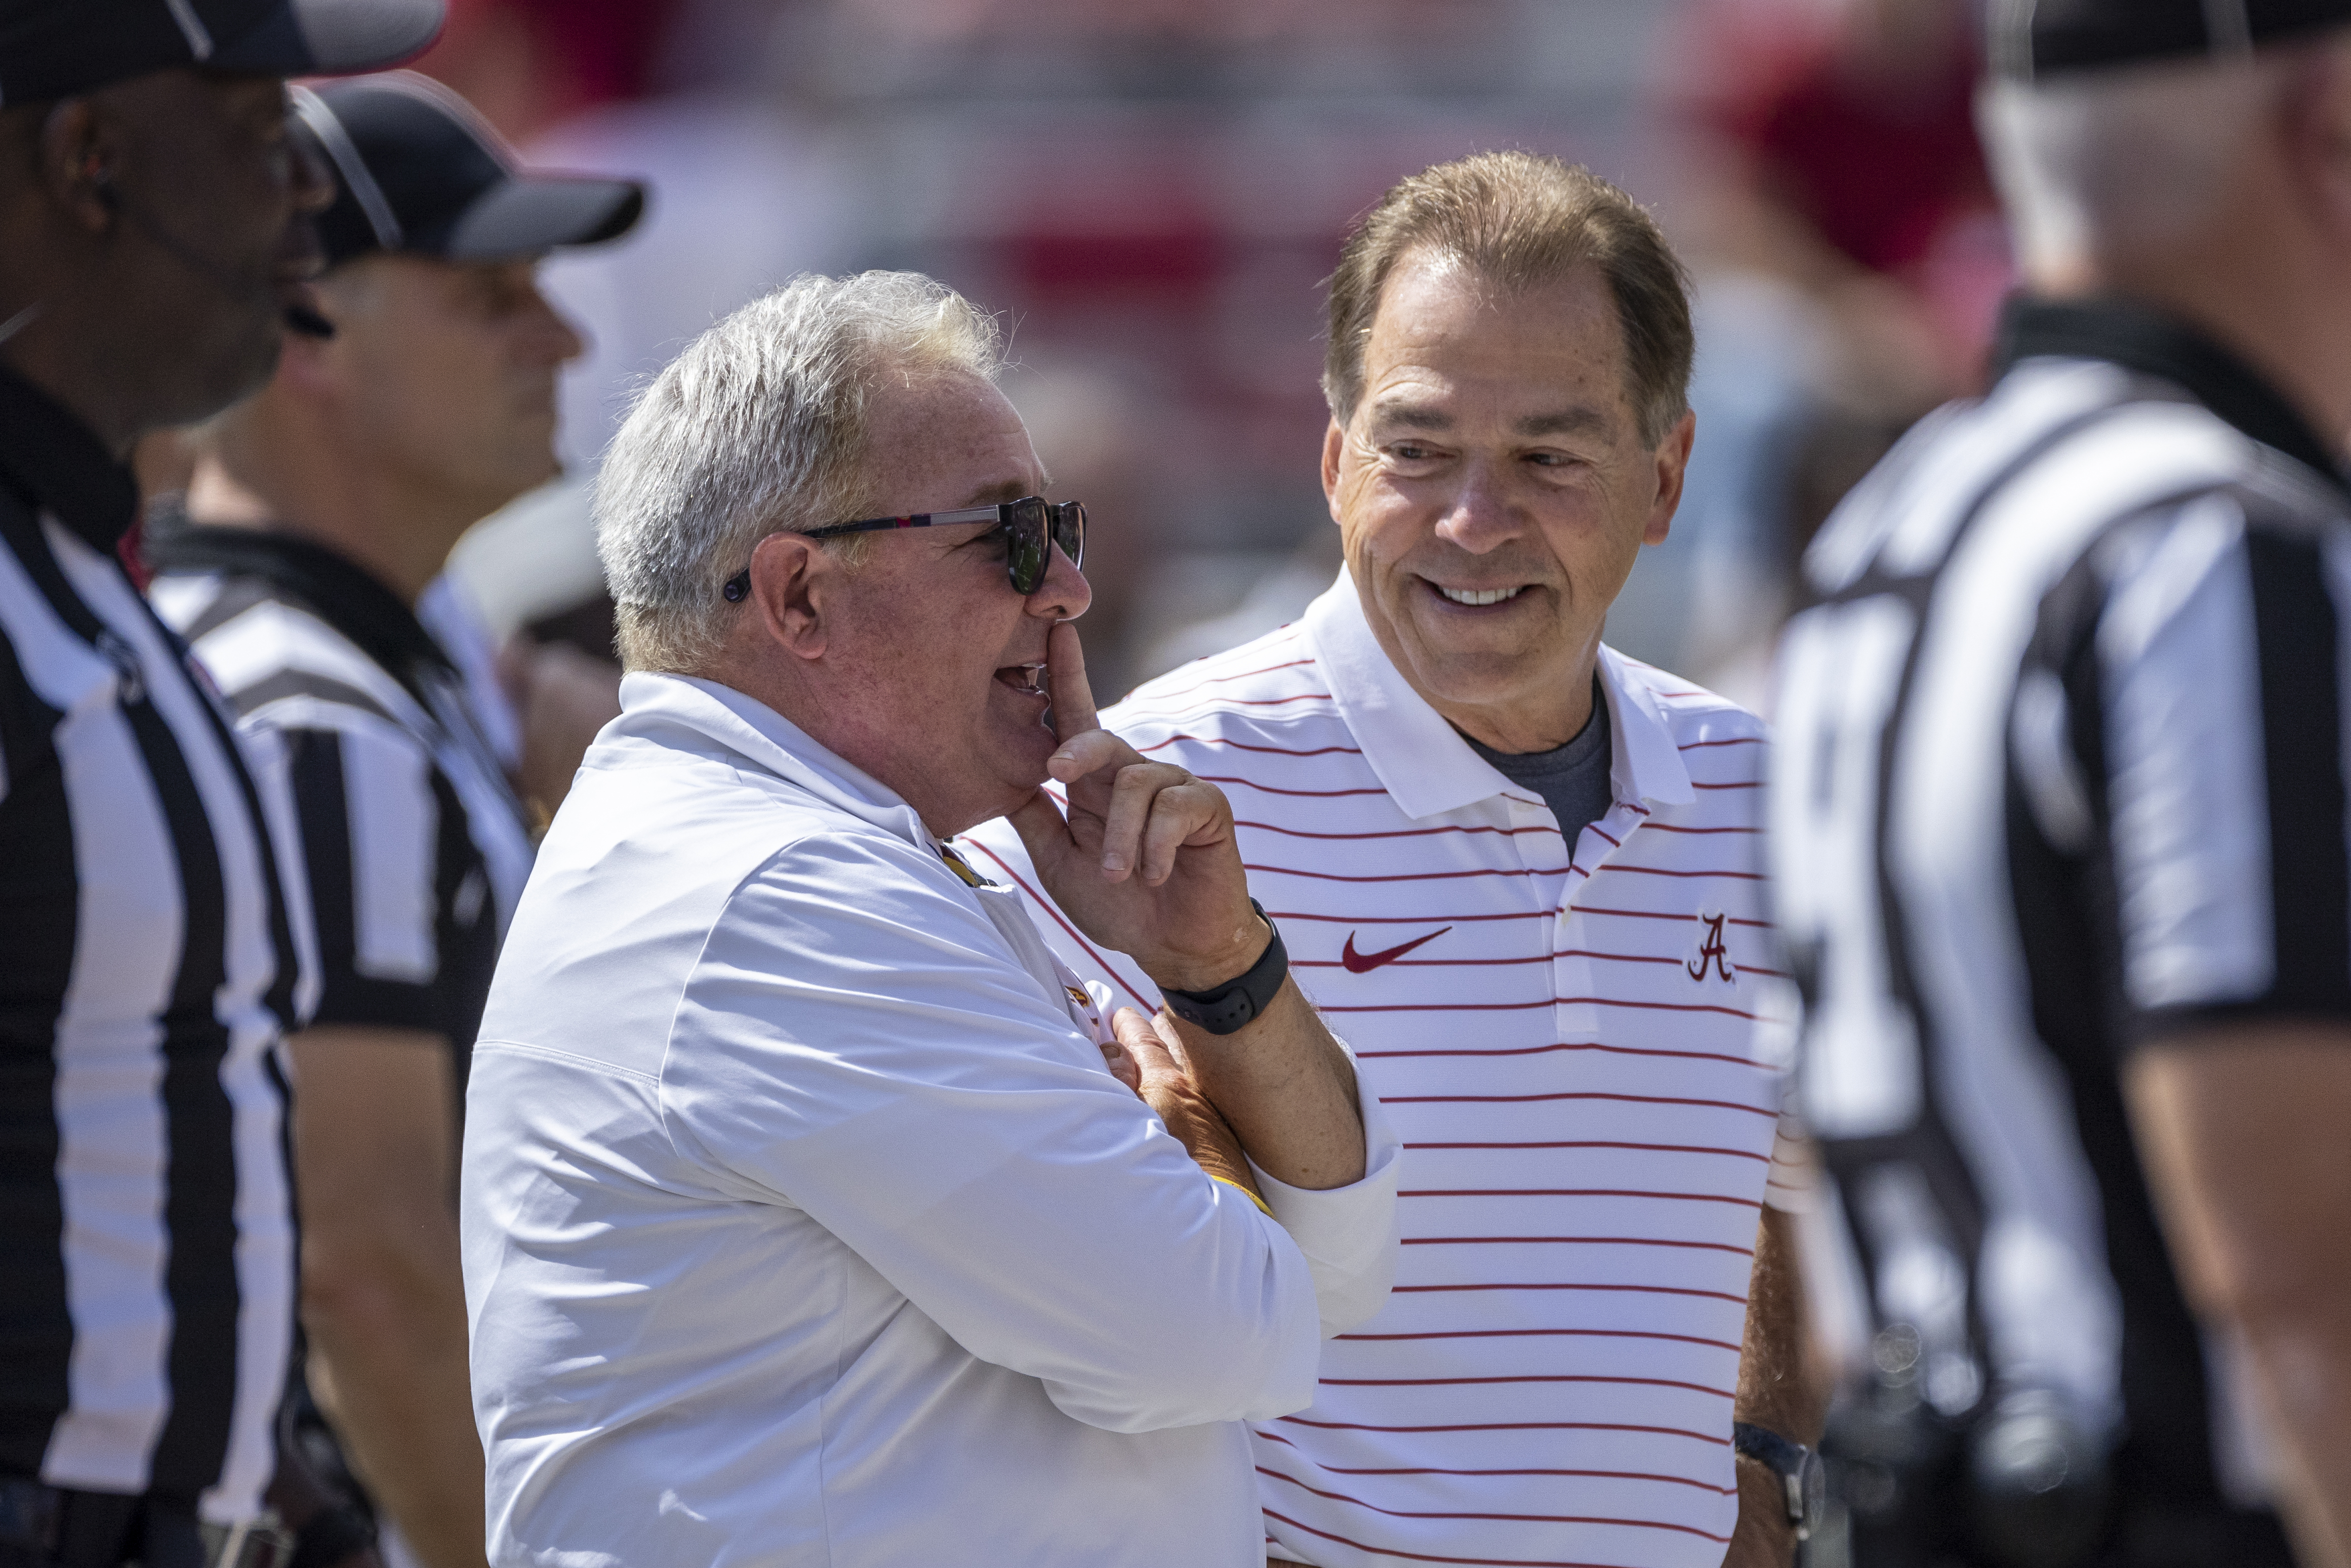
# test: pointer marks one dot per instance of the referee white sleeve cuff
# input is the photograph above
(1348, 1233)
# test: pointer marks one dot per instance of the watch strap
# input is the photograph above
(1230, 1006)
(1798, 1468)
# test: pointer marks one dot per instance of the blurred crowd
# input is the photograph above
(1151, 194)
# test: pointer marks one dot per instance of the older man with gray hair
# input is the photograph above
(2059, 825)
(811, 1213)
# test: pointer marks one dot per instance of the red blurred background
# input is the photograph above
(1150, 192)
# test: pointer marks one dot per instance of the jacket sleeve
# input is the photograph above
(858, 1041)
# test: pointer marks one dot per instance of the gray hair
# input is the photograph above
(2097, 164)
(759, 428)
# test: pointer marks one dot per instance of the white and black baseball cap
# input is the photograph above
(418, 172)
(2035, 39)
(55, 48)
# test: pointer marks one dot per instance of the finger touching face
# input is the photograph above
(940, 668)
(1492, 488)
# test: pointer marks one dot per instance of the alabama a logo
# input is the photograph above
(1712, 959)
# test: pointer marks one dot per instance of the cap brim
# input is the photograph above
(333, 38)
(530, 214)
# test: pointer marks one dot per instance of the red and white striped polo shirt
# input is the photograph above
(1574, 1051)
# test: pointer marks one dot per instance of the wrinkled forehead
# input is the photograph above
(1548, 357)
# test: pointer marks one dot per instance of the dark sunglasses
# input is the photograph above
(1026, 525)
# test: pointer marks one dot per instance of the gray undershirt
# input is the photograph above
(1572, 780)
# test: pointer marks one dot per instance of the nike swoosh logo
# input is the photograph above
(1364, 963)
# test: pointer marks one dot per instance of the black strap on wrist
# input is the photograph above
(1802, 1479)
(1229, 1007)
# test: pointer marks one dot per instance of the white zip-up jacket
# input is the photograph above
(803, 1224)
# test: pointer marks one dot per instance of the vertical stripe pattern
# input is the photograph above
(2116, 685)
(414, 849)
(152, 1354)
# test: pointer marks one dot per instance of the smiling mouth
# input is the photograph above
(1028, 680)
(1478, 596)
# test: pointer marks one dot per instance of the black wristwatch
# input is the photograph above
(1800, 1472)
(1232, 1005)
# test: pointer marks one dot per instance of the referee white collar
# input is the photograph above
(1423, 763)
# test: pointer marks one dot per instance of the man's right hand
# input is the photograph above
(1145, 860)
(1145, 1061)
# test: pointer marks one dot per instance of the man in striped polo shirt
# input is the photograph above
(158, 229)
(1519, 871)
(2059, 811)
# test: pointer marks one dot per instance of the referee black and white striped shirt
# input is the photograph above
(147, 973)
(2060, 771)
(414, 848)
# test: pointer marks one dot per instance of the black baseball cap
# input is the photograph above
(2035, 39)
(55, 48)
(418, 172)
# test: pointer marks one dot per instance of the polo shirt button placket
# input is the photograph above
(1577, 976)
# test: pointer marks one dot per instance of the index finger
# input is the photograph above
(1065, 672)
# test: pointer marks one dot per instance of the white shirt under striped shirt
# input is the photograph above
(1572, 1048)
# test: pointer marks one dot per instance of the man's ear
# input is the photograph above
(1673, 457)
(79, 156)
(1334, 443)
(793, 581)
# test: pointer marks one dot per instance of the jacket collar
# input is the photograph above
(689, 714)
(53, 460)
(1421, 760)
(339, 592)
(2140, 339)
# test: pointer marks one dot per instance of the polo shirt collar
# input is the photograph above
(2143, 339)
(1424, 764)
(657, 706)
(56, 463)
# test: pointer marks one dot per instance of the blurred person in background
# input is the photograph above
(2059, 834)
(1850, 259)
(159, 228)
(319, 510)
(1521, 873)
(812, 1212)
(704, 101)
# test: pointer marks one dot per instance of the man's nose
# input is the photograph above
(1065, 593)
(313, 182)
(1480, 516)
(552, 333)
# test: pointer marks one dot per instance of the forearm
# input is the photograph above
(2302, 1365)
(1775, 1391)
(388, 1335)
(1775, 1386)
(383, 1295)
(2241, 1129)
(1286, 1089)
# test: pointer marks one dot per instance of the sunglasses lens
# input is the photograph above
(1070, 531)
(1025, 546)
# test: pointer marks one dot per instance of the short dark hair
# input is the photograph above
(1520, 220)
